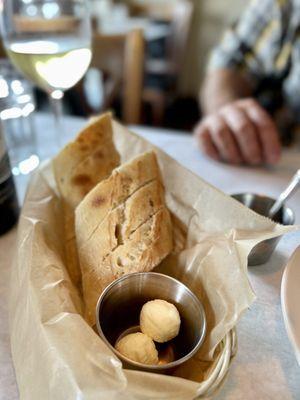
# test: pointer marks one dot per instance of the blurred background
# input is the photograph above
(148, 60)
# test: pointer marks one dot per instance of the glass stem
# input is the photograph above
(56, 103)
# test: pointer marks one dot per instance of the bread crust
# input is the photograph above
(129, 230)
(83, 163)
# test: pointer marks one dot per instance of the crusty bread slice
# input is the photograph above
(120, 223)
(82, 164)
(131, 227)
(112, 192)
(141, 252)
(146, 247)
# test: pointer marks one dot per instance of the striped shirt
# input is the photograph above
(265, 45)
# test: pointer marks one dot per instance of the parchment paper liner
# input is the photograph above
(58, 356)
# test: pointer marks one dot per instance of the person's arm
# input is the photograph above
(222, 86)
(235, 128)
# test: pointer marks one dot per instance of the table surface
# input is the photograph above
(265, 366)
(114, 23)
(152, 31)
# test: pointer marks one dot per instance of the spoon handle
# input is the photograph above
(292, 187)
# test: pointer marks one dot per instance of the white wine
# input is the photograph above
(52, 64)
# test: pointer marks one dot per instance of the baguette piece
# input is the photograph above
(122, 183)
(128, 231)
(84, 162)
(78, 168)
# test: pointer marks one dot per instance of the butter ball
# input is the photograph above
(160, 320)
(138, 347)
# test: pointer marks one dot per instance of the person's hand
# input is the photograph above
(239, 132)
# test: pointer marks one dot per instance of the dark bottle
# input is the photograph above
(9, 209)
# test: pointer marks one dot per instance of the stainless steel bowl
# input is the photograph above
(118, 312)
(261, 253)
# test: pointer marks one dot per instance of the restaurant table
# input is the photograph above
(265, 366)
(152, 31)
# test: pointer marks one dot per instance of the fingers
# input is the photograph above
(223, 139)
(266, 130)
(206, 143)
(244, 132)
(240, 132)
(216, 140)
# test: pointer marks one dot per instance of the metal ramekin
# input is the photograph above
(119, 307)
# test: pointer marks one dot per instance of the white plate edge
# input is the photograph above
(283, 295)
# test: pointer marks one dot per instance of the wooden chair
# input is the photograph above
(177, 41)
(179, 16)
(120, 58)
(157, 10)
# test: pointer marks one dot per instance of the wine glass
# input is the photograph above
(49, 42)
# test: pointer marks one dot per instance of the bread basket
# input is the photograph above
(55, 352)
(220, 367)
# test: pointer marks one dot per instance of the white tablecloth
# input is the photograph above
(265, 366)
(151, 30)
